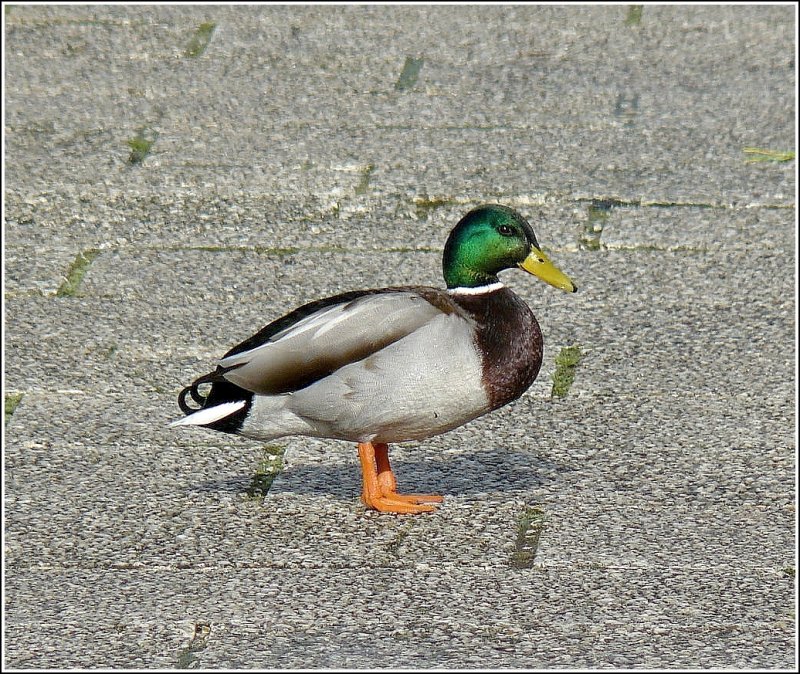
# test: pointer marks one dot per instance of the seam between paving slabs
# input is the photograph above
(599, 211)
(83, 260)
(649, 627)
(589, 239)
(294, 250)
(775, 572)
(642, 203)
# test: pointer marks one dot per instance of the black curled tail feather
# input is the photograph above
(222, 391)
(193, 391)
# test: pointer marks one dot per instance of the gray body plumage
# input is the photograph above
(390, 366)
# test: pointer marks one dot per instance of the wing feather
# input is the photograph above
(332, 335)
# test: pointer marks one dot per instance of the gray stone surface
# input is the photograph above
(287, 166)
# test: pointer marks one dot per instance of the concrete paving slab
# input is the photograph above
(529, 94)
(646, 520)
(295, 623)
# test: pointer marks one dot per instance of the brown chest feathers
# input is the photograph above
(509, 341)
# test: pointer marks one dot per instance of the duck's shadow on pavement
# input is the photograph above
(489, 470)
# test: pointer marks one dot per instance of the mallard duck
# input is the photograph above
(375, 367)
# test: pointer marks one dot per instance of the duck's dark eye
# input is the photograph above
(506, 230)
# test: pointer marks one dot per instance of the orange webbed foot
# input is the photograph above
(385, 504)
(380, 486)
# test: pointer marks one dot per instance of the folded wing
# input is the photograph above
(318, 339)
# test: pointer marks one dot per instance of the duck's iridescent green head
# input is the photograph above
(489, 239)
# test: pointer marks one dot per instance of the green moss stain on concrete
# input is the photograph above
(141, 144)
(634, 15)
(409, 249)
(394, 545)
(566, 362)
(597, 215)
(12, 401)
(187, 658)
(76, 272)
(408, 77)
(363, 184)
(426, 205)
(756, 154)
(530, 525)
(269, 466)
(200, 40)
(259, 250)
(626, 108)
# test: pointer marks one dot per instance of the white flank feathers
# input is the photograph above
(210, 415)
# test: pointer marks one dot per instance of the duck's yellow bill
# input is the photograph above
(538, 264)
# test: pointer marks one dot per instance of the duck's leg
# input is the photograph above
(388, 482)
(379, 493)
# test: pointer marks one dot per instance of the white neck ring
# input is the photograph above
(480, 290)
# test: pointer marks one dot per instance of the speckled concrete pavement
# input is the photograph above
(176, 177)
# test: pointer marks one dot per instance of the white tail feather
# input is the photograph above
(210, 415)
